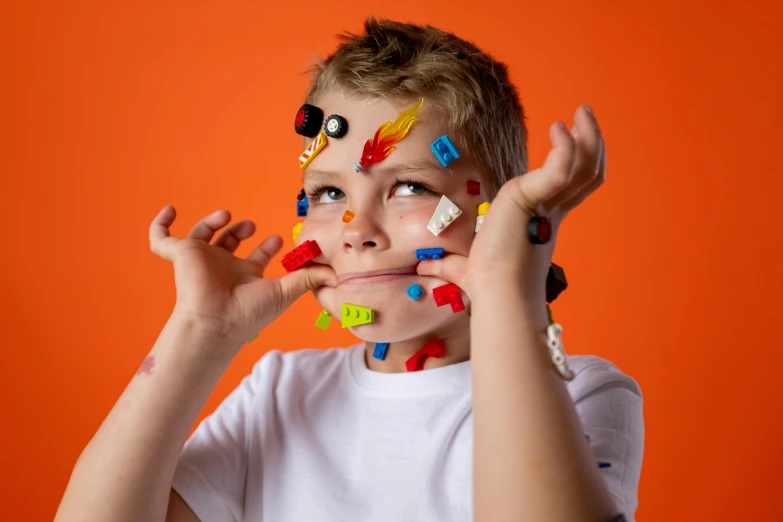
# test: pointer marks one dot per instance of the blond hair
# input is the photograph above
(468, 88)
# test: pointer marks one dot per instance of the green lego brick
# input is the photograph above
(324, 318)
(354, 315)
(549, 314)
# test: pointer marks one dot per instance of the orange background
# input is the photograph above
(111, 112)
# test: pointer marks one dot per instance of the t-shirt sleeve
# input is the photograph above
(212, 470)
(609, 404)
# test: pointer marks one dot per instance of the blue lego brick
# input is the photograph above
(380, 350)
(301, 208)
(415, 291)
(444, 150)
(429, 253)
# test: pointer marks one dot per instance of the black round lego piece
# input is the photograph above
(539, 230)
(301, 195)
(308, 120)
(335, 126)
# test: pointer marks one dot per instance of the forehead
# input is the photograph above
(364, 117)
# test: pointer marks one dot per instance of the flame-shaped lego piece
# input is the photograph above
(379, 148)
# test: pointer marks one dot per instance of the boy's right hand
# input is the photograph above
(222, 290)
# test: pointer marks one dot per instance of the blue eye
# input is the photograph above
(411, 189)
(330, 195)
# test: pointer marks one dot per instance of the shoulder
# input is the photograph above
(594, 374)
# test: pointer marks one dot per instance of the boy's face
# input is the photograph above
(392, 201)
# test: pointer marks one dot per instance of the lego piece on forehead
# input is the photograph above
(308, 120)
(313, 149)
(444, 150)
(382, 144)
(335, 126)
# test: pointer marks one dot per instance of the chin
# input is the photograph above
(396, 318)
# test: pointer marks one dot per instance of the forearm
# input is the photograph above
(531, 461)
(125, 472)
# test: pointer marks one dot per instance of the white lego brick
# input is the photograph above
(445, 214)
(479, 221)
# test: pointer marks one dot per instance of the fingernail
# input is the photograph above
(562, 125)
(590, 110)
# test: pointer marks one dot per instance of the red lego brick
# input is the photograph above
(434, 348)
(449, 294)
(297, 257)
(474, 187)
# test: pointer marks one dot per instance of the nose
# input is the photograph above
(364, 233)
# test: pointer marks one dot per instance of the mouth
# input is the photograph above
(377, 276)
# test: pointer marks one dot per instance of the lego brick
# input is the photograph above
(539, 230)
(300, 255)
(445, 214)
(483, 208)
(313, 149)
(429, 253)
(380, 350)
(479, 222)
(348, 216)
(308, 120)
(474, 187)
(415, 291)
(335, 126)
(301, 208)
(556, 282)
(434, 348)
(448, 294)
(354, 315)
(324, 318)
(444, 150)
(295, 231)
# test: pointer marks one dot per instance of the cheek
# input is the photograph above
(411, 231)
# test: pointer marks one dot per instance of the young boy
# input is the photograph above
(470, 411)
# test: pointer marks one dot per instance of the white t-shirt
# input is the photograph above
(314, 435)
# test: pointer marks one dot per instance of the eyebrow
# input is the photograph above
(416, 165)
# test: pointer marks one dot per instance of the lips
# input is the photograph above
(377, 276)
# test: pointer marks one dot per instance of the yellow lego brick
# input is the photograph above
(483, 208)
(296, 230)
(354, 315)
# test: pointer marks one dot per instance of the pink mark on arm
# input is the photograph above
(146, 366)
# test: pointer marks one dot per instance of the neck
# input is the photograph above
(457, 344)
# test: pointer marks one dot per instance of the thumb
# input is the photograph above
(451, 269)
(296, 283)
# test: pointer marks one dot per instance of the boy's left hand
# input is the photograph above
(502, 256)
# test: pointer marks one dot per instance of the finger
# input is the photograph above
(541, 185)
(205, 229)
(589, 143)
(451, 268)
(296, 283)
(264, 252)
(161, 242)
(591, 187)
(232, 236)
